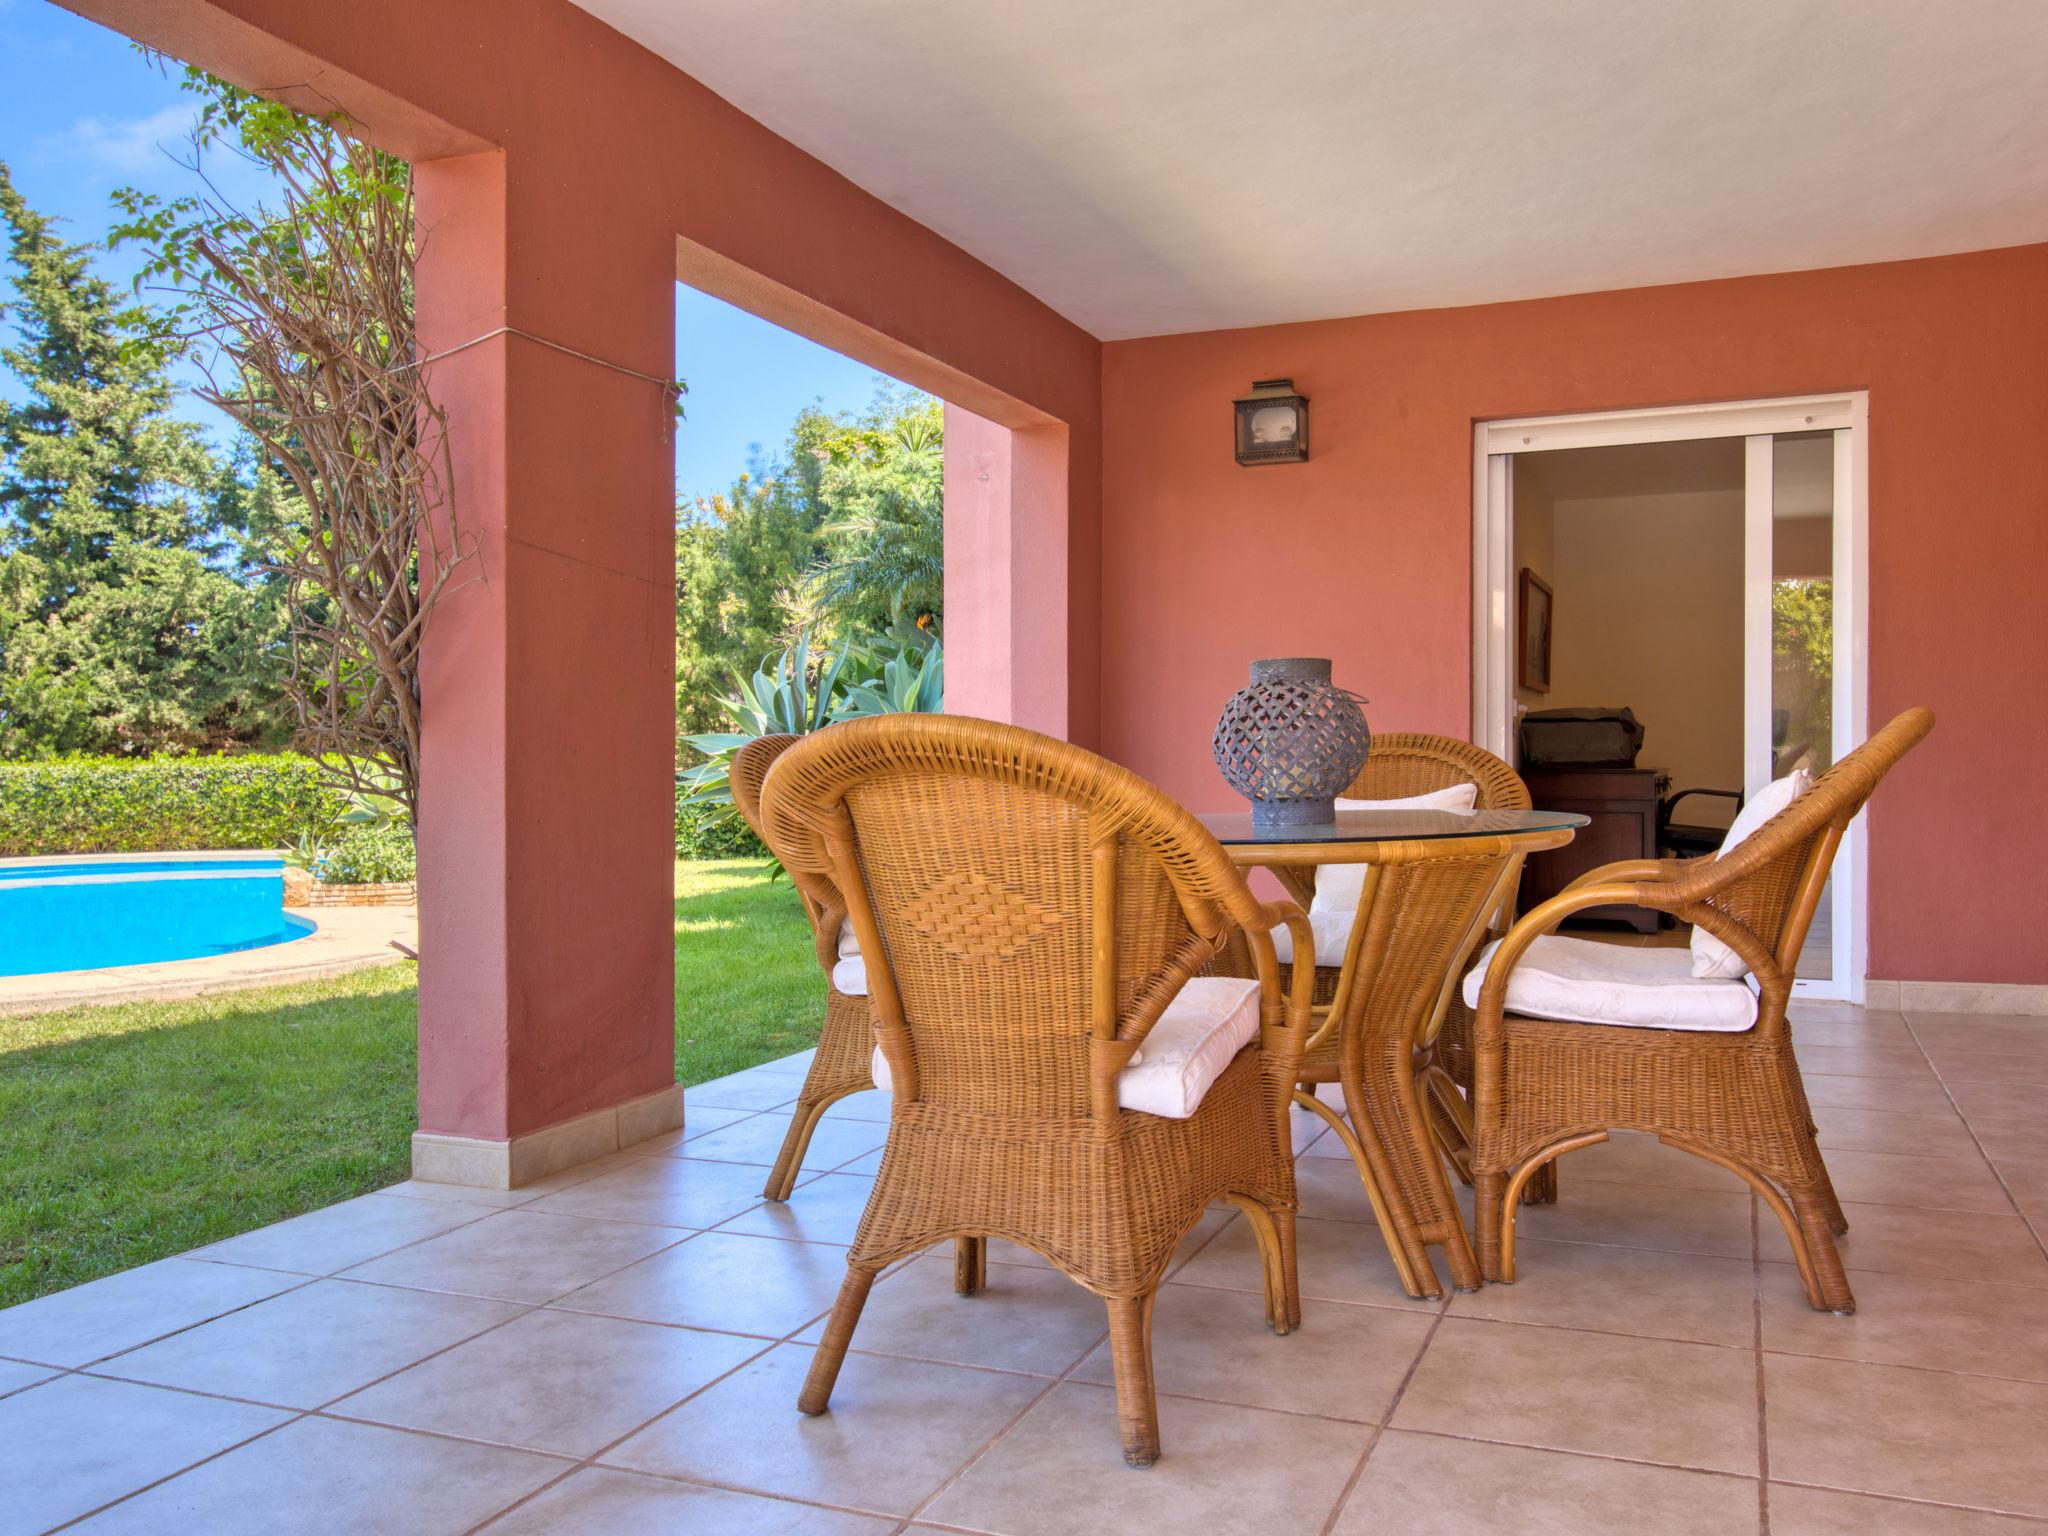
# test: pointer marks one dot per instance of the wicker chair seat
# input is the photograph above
(1104, 1202)
(1587, 982)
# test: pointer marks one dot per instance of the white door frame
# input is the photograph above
(1494, 444)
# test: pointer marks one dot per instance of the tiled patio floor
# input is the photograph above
(619, 1351)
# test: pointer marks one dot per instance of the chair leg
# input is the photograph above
(1274, 1232)
(782, 1178)
(1814, 1230)
(1541, 1189)
(1130, 1348)
(1290, 1277)
(970, 1265)
(1487, 1190)
(853, 1295)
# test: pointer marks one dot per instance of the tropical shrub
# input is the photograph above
(799, 691)
(709, 832)
(146, 805)
(368, 854)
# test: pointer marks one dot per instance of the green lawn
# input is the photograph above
(130, 1133)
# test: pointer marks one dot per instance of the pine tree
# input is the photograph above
(122, 624)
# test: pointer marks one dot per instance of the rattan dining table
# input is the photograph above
(1433, 885)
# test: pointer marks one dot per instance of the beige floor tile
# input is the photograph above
(459, 1194)
(896, 1430)
(522, 1255)
(1330, 1189)
(1912, 1434)
(1622, 1290)
(551, 1381)
(1029, 1319)
(19, 1376)
(1970, 1032)
(1992, 1064)
(797, 1063)
(1628, 1158)
(669, 1191)
(601, 1502)
(1690, 1405)
(1999, 1100)
(76, 1443)
(2005, 1139)
(1954, 1245)
(1336, 1260)
(1903, 1095)
(827, 1209)
(1424, 1485)
(867, 1167)
(309, 1346)
(758, 1139)
(1221, 1468)
(1643, 1216)
(1344, 1362)
(1871, 1130)
(752, 1089)
(324, 1475)
(1930, 1183)
(1824, 1512)
(874, 1108)
(698, 1120)
(1954, 1325)
(1861, 1060)
(753, 1285)
(101, 1318)
(2027, 1179)
(321, 1242)
(1888, 1031)
(584, 1173)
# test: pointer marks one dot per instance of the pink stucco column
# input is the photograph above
(547, 958)
(1007, 589)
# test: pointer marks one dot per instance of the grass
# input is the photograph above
(131, 1133)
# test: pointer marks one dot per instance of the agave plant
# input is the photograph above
(784, 697)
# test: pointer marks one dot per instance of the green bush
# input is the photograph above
(711, 831)
(367, 855)
(147, 805)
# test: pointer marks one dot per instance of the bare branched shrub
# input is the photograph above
(310, 310)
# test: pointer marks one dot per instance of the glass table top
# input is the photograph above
(1235, 829)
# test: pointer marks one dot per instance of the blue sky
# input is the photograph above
(82, 113)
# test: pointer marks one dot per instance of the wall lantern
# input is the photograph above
(1272, 424)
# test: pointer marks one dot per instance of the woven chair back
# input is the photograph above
(1404, 763)
(1026, 908)
(749, 772)
(1769, 885)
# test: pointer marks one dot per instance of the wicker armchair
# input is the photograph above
(1543, 1087)
(1032, 916)
(840, 1065)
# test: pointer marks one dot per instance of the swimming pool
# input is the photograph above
(88, 913)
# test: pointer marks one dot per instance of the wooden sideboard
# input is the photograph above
(1622, 803)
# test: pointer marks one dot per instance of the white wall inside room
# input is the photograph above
(1645, 561)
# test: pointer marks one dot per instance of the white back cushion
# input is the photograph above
(1338, 886)
(1710, 957)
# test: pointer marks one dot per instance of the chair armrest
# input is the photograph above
(826, 932)
(1299, 1005)
(1629, 869)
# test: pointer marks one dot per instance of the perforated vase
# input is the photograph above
(1290, 741)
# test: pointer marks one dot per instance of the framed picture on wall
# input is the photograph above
(1534, 608)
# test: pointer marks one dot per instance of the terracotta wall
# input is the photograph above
(1363, 554)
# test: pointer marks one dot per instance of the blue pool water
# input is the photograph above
(85, 914)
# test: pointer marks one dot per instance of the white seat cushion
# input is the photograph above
(1339, 886)
(850, 975)
(1585, 982)
(1710, 957)
(1199, 1034)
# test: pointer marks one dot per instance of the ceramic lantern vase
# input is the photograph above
(1291, 741)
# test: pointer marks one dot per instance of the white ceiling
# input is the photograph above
(1153, 166)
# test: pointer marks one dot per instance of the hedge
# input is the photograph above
(713, 832)
(368, 855)
(146, 805)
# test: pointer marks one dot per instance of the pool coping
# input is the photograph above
(343, 939)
